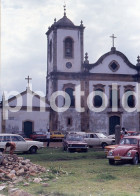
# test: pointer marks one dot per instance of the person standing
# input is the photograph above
(48, 137)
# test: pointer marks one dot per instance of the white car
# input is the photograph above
(22, 145)
(98, 139)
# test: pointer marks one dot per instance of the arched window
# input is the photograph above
(72, 98)
(98, 99)
(130, 99)
(68, 47)
(50, 50)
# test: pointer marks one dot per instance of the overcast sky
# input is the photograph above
(24, 43)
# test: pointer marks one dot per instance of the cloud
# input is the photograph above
(24, 43)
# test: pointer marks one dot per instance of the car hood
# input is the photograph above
(123, 149)
(76, 142)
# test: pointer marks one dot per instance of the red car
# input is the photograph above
(38, 137)
(127, 150)
(74, 142)
(130, 133)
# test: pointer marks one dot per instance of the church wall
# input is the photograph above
(40, 120)
(50, 64)
(32, 100)
(104, 66)
(98, 122)
(107, 84)
(0, 120)
(75, 120)
(50, 89)
(61, 84)
(130, 121)
(61, 61)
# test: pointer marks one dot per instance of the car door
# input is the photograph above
(21, 144)
(4, 140)
(92, 139)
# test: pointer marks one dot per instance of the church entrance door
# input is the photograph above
(28, 128)
(113, 121)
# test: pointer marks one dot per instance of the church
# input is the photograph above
(102, 94)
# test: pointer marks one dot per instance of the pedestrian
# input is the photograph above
(12, 146)
(48, 137)
(123, 132)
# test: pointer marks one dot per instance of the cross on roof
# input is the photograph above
(113, 37)
(64, 8)
(28, 79)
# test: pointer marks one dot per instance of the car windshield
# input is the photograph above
(101, 135)
(128, 141)
(74, 138)
(17, 139)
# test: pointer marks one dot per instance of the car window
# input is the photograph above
(129, 141)
(17, 138)
(95, 136)
(91, 136)
(0, 138)
(101, 135)
(6, 139)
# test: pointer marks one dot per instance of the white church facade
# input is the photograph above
(68, 70)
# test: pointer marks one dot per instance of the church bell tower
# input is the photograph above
(64, 53)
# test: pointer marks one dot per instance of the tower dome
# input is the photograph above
(64, 22)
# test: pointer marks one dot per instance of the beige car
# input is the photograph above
(98, 139)
(22, 145)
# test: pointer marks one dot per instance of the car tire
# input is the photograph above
(111, 161)
(33, 150)
(104, 144)
(135, 160)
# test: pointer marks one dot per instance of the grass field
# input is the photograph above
(83, 174)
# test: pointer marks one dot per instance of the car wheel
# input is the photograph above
(33, 150)
(111, 161)
(135, 160)
(103, 145)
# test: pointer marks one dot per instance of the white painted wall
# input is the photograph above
(28, 99)
(61, 61)
(104, 66)
(0, 120)
(50, 64)
(15, 121)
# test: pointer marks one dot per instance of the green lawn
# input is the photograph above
(83, 174)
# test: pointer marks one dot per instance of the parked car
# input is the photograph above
(127, 150)
(38, 137)
(22, 145)
(98, 139)
(108, 148)
(111, 136)
(57, 136)
(74, 142)
(129, 133)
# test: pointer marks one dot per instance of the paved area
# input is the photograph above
(54, 144)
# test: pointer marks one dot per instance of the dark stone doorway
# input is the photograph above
(113, 121)
(28, 128)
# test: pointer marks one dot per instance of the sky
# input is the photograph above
(24, 43)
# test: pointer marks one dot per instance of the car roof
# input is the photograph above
(135, 137)
(8, 134)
